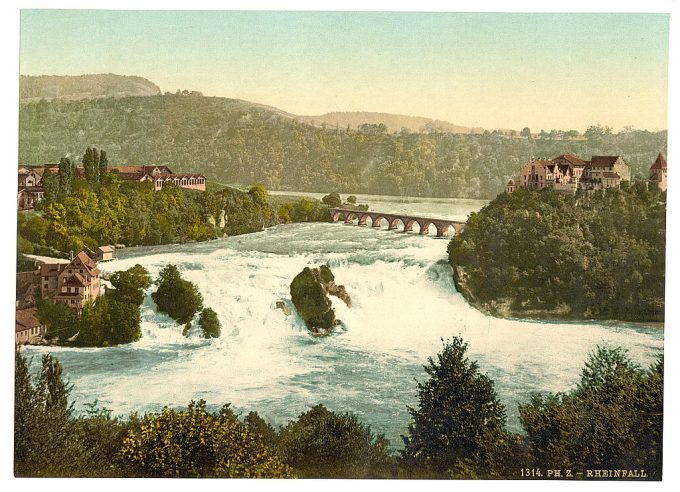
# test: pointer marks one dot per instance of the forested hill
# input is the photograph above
(233, 141)
(393, 122)
(84, 86)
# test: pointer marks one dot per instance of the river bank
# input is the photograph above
(502, 308)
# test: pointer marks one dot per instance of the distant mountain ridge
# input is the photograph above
(91, 86)
(393, 122)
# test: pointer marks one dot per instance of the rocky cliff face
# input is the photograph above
(309, 292)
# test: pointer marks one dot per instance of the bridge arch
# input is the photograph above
(394, 223)
(376, 220)
(337, 215)
(350, 217)
(424, 225)
(363, 218)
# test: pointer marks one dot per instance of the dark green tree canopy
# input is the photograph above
(332, 199)
(209, 323)
(459, 416)
(324, 444)
(177, 297)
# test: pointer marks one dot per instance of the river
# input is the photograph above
(404, 303)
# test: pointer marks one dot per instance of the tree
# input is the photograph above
(129, 285)
(195, 443)
(258, 426)
(177, 297)
(332, 200)
(50, 185)
(458, 426)
(103, 164)
(612, 419)
(259, 195)
(209, 323)
(91, 167)
(352, 200)
(65, 178)
(42, 443)
(323, 444)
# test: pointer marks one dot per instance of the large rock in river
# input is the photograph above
(309, 292)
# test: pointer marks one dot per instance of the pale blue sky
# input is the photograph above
(546, 71)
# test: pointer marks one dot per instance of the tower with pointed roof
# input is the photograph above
(657, 173)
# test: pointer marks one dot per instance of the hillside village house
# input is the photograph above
(30, 188)
(72, 283)
(28, 328)
(31, 191)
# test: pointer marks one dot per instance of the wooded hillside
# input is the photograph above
(237, 142)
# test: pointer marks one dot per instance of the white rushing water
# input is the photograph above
(404, 302)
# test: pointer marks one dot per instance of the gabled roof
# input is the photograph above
(105, 249)
(660, 162)
(51, 269)
(573, 159)
(604, 160)
(511, 182)
(26, 319)
(76, 280)
(83, 259)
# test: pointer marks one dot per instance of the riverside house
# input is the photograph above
(72, 283)
(28, 328)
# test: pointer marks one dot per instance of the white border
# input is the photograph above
(9, 24)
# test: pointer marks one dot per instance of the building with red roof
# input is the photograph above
(72, 283)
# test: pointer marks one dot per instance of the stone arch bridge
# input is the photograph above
(442, 225)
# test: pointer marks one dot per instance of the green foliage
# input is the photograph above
(110, 321)
(285, 212)
(61, 321)
(612, 420)
(129, 285)
(101, 209)
(259, 195)
(459, 425)
(114, 319)
(599, 256)
(310, 210)
(261, 428)
(177, 297)
(47, 442)
(332, 200)
(232, 141)
(209, 323)
(352, 200)
(195, 443)
(323, 444)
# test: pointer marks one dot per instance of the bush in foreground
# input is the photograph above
(612, 420)
(195, 443)
(323, 444)
(458, 428)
